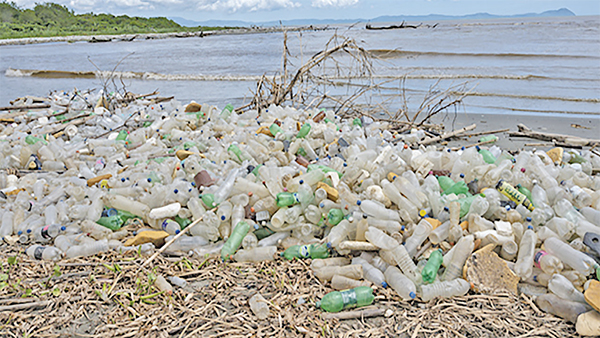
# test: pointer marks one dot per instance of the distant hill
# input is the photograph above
(385, 18)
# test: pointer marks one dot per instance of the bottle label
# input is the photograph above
(514, 195)
(37, 254)
(164, 225)
(349, 298)
(538, 257)
(304, 251)
(45, 233)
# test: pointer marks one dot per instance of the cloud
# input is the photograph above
(246, 5)
(333, 3)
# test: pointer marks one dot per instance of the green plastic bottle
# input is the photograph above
(209, 200)
(115, 221)
(235, 240)
(122, 136)
(235, 150)
(325, 169)
(335, 216)
(285, 199)
(226, 112)
(275, 129)
(306, 251)
(457, 188)
(33, 140)
(465, 204)
(433, 265)
(445, 182)
(304, 130)
(489, 138)
(488, 157)
(337, 301)
(524, 191)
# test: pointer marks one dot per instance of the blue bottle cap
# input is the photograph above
(301, 182)
(256, 226)
(223, 218)
(412, 295)
(507, 207)
(478, 148)
(462, 148)
(149, 179)
(329, 246)
(177, 231)
(175, 191)
(19, 232)
(449, 150)
(384, 284)
(322, 205)
(63, 228)
(358, 202)
(530, 227)
(446, 209)
(28, 231)
(122, 179)
(462, 175)
(528, 219)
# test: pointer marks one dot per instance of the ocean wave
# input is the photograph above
(40, 73)
(397, 53)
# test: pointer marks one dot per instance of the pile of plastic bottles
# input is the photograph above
(368, 205)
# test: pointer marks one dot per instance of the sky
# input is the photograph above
(270, 10)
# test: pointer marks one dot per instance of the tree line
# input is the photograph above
(50, 19)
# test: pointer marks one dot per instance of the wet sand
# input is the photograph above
(548, 124)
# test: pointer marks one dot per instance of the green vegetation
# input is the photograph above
(50, 19)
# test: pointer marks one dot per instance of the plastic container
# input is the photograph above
(337, 301)
(562, 287)
(47, 253)
(342, 283)
(446, 289)
(400, 283)
(370, 272)
(257, 254)
(432, 267)
(524, 264)
(234, 241)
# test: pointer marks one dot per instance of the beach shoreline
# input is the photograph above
(102, 38)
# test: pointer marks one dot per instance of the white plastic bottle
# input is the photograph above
(370, 272)
(400, 283)
(397, 251)
(524, 264)
(464, 247)
(47, 253)
(87, 249)
(257, 254)
(421, 232)
(562, 287)
(446, 289)
(547, 262)
(569, 256)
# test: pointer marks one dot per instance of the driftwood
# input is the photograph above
(402, 25)
(17, 307)
(447, 135)
(573, 141)
(33, 106)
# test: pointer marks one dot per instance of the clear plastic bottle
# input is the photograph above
(547, 262)
(257, 254)
(524, 264)
(170, 226)
(562, 287)
(398, 252)
(464, 247)
(47, 233)
(370, 272)
(400, 283)
(446, 289)
(569, 256)
(88, 249)
(420, 234)
(339, 282)
(568, 310)
(47, 253)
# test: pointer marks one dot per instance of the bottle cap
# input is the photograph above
(412, 295)
(63, 228)
(358, 202)
(384, 284)
(422, 213)
(223, 218)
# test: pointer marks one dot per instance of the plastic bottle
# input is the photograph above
(398, 252)
(432, 267)
(259, 306)
(547, 262)
(306, 251)
(569, 256)
(568, 310)
(446, 289)
(234, 241)
(337, 301)
(370, 273)
(400, 283)
(47, 253)
(524, 264)
(464, 247)
(46, 233)
(342, 283)
(87, 249)
(420, 234)
(170, 226)
(257, 254)
(562, 287)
